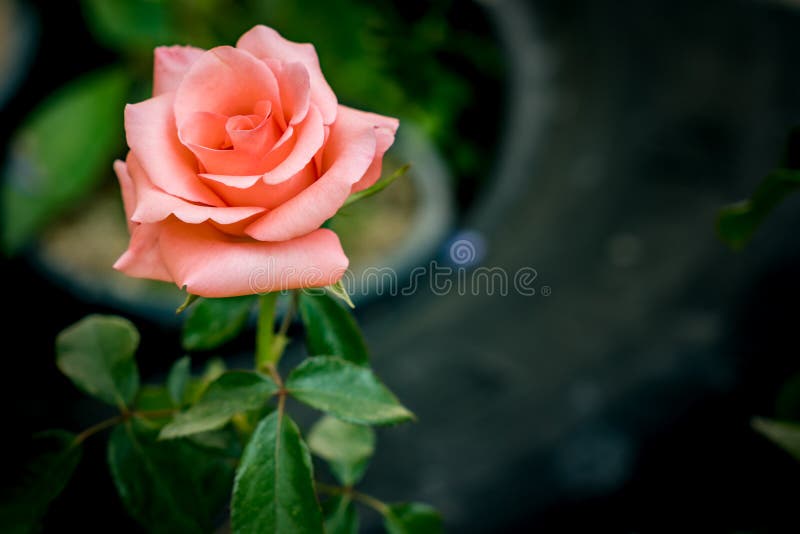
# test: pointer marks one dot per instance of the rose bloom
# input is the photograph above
(235, 163)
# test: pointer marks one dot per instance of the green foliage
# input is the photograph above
(785, 434)
(346, 390)
(174, 471)
(737, 223)
(171, 486)
(61, 151)
(233, 392)
(412, 518)
(51, 460)
(212, 322)
(130, 24)
(346, 447)
(378, 186)
(274, 486)
(97, 354)
(330, 329)
(340, 514)
(177, 380)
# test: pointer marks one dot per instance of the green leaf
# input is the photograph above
(346, 390)
(274, 487)
(97, 354)
(330, 329)
(413, 518)
(377, 187)
(737, 222)
(130, 24)
(783, 433)
(340, 515)
(51, 460)
(212, 322)
(61, 152)
(178, 379)
(233, 392)
(214, 368)
(345, 446)
(170, 486)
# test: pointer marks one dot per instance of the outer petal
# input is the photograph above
(227, 81)
(128, 191)
(154, 205)
(385, 129)
(265, 43)
(170, 65)
(143, 257)
(212, 264)
(151, 134)
(347, 156)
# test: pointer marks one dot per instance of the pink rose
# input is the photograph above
(235, 163)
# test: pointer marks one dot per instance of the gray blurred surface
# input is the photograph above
(629, 124)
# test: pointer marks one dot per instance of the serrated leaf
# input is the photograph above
(341, 516)
(97, 354)
(330, 329)
(737, 222)
(233, 392)
(346, 390)
(345, 446)
(170, 486)
(61, 152)
(274, 486)
(212, 322)
(785, 434)
(413, 518)
(52, 458)
(177, 380)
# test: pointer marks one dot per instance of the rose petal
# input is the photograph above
(252, 152)
(227, 81)
(385, 129)
(143, 257)
(150, 130)
(128, 191)
(153, 204)
(252, 133)
(211, 264)
(265, 43)
(170, 64)
(265, 195)
(295, 87)
(348, 154)
(283, 162)
(203, 129)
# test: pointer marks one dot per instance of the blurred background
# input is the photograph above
(591, 140)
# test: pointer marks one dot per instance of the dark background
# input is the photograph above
(622, 401)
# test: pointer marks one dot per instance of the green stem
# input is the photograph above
(121, 418)
(376, 504)
(264, 332)
(99, 427)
